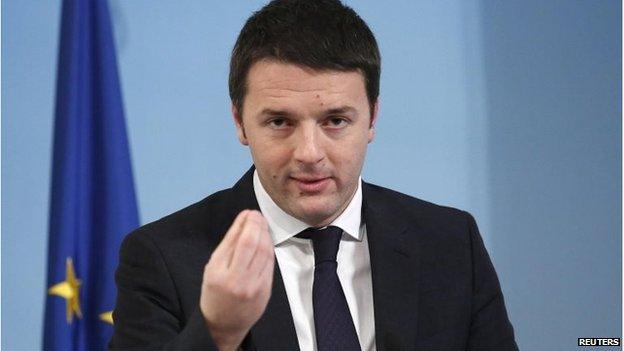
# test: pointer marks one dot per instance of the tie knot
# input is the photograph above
(325, 242)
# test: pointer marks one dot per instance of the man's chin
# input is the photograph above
(316, 213)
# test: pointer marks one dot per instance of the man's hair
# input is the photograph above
(319, 34)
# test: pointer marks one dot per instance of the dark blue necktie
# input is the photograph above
(332, 320)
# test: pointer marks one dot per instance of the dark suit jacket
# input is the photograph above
(434, 287)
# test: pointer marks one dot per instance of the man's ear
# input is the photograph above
(373, 120)
(240, 127)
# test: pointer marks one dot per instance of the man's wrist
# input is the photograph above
(225, 343)
(225, 340)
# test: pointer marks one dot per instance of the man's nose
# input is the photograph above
(308, 148)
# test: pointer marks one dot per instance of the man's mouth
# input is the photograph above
(311, 184)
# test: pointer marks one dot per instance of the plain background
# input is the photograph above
(508, 109)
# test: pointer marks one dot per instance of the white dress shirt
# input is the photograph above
(295, 258)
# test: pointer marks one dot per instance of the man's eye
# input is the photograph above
(336, 122)
(278, 123)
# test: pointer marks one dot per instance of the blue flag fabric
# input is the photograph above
(93, 203)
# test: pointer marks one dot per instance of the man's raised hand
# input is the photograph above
(237, 280)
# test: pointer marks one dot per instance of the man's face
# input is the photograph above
(308, 132)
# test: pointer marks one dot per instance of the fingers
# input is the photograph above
(246, 249)
(231, 237)
(263, 255)
(237, 280)
(254, 228)
(223, 253)
(266, 274)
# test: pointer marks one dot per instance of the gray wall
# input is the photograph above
(553, 86)
(508, 109)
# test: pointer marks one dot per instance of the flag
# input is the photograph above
(93, 202)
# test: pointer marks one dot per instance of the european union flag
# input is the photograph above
(93, 203)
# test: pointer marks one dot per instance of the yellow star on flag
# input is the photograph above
(107, 317)
(69, 290)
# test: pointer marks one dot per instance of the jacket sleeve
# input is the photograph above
(490, 328)
(147, 314)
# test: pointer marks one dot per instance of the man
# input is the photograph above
(300, 253)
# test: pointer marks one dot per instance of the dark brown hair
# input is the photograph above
(319, 34)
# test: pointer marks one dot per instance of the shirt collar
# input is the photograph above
(283, 226)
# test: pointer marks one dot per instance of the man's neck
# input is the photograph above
(284, 224)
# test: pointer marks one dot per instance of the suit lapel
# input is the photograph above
(394, 261)
(394, 267)
(275, 330)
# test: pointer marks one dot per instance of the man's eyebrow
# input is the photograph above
(272, 112)
(341, 110)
